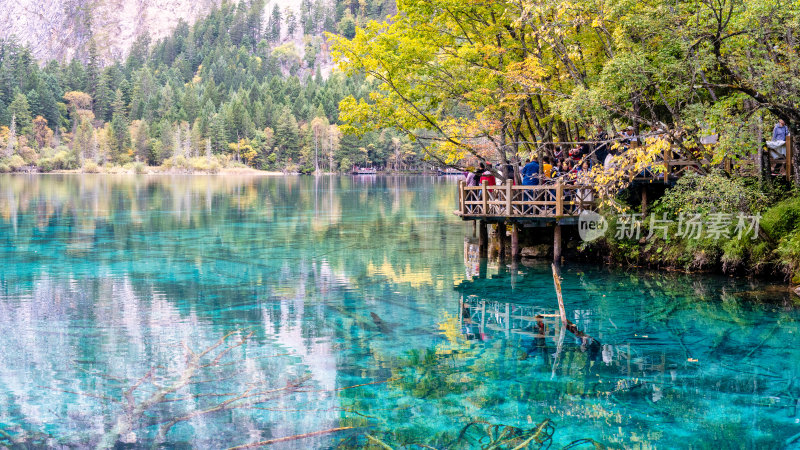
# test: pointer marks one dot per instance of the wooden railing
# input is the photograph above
(675, 164)
(507, 200)
(782, 163)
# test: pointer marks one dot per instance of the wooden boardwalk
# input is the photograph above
(508, 202)
(557, 202)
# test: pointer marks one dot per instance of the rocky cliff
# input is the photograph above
(61, 29)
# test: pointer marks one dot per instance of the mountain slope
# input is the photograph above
(61, 29)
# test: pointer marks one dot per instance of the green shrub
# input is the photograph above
(139, 167)
(782, 219)
(90, 167)
(203, 164)
(708, 194)
(14, 162)
(56, 160)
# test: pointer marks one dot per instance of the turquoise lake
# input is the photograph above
(216, 311)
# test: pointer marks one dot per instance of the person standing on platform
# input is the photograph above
(530, 173)
(488, 176)
(779, 134)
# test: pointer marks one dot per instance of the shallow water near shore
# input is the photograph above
(214, 311)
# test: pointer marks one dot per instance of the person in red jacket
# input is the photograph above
(488, 176)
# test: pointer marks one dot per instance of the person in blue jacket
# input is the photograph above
(530, 173)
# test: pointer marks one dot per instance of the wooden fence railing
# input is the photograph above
(507, 200)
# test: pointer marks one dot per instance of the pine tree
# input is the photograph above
(187, 139)
(219, 135)
(141, 140)
(103, 98)
(287, 134)
(120, 136)
(118, 105)
(177, 145)
(274, 24)
(21, 112)
(291, 22)
(92, 69)
(12, 137)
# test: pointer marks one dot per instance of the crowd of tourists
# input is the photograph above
(567, 163)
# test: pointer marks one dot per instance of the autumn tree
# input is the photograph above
(42, 134)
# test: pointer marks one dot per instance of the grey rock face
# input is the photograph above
(61, 29)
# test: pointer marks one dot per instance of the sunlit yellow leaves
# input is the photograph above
(627, 165)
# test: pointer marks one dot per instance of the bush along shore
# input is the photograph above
(709, 224)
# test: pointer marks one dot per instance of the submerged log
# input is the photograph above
(571, 327)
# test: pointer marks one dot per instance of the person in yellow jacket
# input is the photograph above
(547, 167)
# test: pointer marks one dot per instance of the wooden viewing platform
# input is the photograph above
(540, 205)
(562, 203)
(556, 202)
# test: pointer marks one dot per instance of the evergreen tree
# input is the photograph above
(120, 136)
(291, 21)
(219, 134)
(141, 140)
(103, 98)
(21, 112)
(12, 137)
(92, 69)
(287, 135)
(274, 24)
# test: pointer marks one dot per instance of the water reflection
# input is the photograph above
(347, 286)
(669, 359)
(106, 279)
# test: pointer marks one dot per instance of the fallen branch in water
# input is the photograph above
(571, 327)
(201, 367)
(290, 438)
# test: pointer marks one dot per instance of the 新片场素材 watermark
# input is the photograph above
(715, 226)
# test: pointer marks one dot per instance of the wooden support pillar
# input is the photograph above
(483, 239)
(474, 228)
(644, 200)
(502, 238)
(557, 244)
(461, 195)
(515, 251)
(509, 197)
(559, 199)
(484, 199)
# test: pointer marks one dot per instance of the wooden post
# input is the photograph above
(667, 158)
(559, 198)
(509, 195)
(557, 244)
(485, 198)
(501, 235)
(474, 228)
(514, 242)
(789, 159)
(461, 196)
(644, 200)
(483, 239)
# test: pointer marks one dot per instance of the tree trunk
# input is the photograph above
(794, 128)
